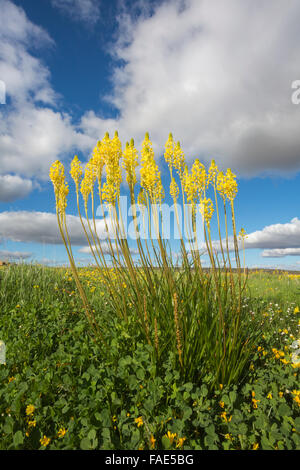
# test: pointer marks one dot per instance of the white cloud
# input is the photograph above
(87, 11)
(14, 255)
(276, 236)
(32, 138)
(32, 132)
(13, 187)
(277, 240)
(281, 252)
(25, 76)
(42, 227)
(216, 74)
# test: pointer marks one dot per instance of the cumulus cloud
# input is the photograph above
(216, 74)
(32, 138)
(25, 76)
(14, 255)
(281, 252)
(41, 227)
(277, 240)
(33, 132)
(276, 236)
(87, 11)
(13, 187)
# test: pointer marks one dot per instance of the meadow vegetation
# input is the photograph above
(154, 356)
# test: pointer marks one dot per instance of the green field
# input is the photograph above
(63, 389)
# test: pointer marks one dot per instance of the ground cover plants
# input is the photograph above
(154, 355)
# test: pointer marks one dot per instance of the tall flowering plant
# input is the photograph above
(194, 312)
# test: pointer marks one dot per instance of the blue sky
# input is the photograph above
(219, 77)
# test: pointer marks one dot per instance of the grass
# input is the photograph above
(62, 389)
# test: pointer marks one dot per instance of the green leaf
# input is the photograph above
(166, 442)
(18, 438)
(284, 410)
(85, 444)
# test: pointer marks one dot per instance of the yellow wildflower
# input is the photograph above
(152, 442)
(171, 436)
(45, 441)
(61, 432)
(180, 441)
(139, 421)
(30, 409)
(130, 162)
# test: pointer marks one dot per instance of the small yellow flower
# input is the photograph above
(224, 416)
(269, 396)
(11, 379)
(180, 441)
(152, 442)
(61, 432)
(139, 421)
(171, 436)
(255, 446)
(254, 403)
(45, 441)
(222, 404)
(30, 410)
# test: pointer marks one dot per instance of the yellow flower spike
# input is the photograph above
(169, 151)
(116, 147)
(98, 159)
(179, 160)
(150, 175)
(212, 173)
(206, 210)
(174, 190)
(199, 177)
(130, 162)
(88, 181)
(189, 187)
(57, 176)
(242, 234)
(76, 171)
(231, 188)
(62, 198)
(141, 199)
(111, 151)
(221, 188)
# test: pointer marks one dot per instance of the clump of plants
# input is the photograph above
(195, 313)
